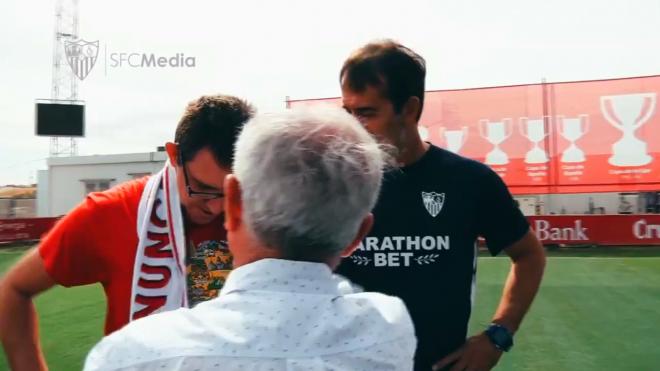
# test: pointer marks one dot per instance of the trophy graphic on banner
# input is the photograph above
(627, 113)
(423, 132)
(534, 130)
(573, 129)
(454, 139)
(496, 132)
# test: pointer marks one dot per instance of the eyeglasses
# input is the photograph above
(191, 192)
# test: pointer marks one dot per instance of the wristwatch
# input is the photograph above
(500, 336)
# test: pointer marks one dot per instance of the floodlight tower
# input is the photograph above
(65, 82)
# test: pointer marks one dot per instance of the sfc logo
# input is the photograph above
(433, 202)
(81, 56)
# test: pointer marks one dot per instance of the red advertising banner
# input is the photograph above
(597, 229)
(619, 134)
(572, 137)
(13, 230)
(550, 229)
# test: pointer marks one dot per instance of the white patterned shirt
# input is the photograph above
(272, 314)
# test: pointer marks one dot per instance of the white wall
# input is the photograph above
(61, 187)
(579, 203)
(66, 175)
(527, 204)
(42, 193)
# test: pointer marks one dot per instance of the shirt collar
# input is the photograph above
(286, 276)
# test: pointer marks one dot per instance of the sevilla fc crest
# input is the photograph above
(81, 56)
(433, 202)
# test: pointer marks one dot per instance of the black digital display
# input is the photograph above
(58, 119)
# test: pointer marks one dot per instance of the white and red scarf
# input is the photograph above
(159, 274)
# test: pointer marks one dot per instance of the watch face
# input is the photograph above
(500, 337)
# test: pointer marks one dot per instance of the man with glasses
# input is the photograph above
(289, 220)
(96, 242)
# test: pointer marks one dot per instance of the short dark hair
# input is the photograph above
(397, 70)
(212, 121)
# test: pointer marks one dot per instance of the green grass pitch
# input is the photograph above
(598, 309)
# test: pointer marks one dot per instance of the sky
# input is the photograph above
(264, 51)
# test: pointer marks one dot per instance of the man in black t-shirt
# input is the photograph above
(430, 212)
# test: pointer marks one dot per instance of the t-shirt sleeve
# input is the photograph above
(69, 252)
(499, 219)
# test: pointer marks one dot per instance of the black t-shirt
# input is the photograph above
(422, 247)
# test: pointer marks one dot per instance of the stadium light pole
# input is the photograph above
(64, 83)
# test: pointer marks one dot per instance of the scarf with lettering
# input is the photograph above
(159, 273)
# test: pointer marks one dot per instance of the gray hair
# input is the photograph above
(309, 177)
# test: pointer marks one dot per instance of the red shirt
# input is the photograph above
(97, 242)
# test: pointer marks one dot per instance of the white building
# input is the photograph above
(583, 203)
(69, 179)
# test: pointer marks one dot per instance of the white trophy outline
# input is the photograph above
(539, 131)
(454, 139)
(496, 156)
(627, 116)
(572, 153)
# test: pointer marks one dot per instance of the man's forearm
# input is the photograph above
(520, 288)
(19, 331)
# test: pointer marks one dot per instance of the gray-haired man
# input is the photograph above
(300, 198)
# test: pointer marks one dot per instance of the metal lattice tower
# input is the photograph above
(65, 82)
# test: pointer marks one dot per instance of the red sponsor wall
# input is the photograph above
(573, 137)
(603, 230)
(551, 229)
(14, 230)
